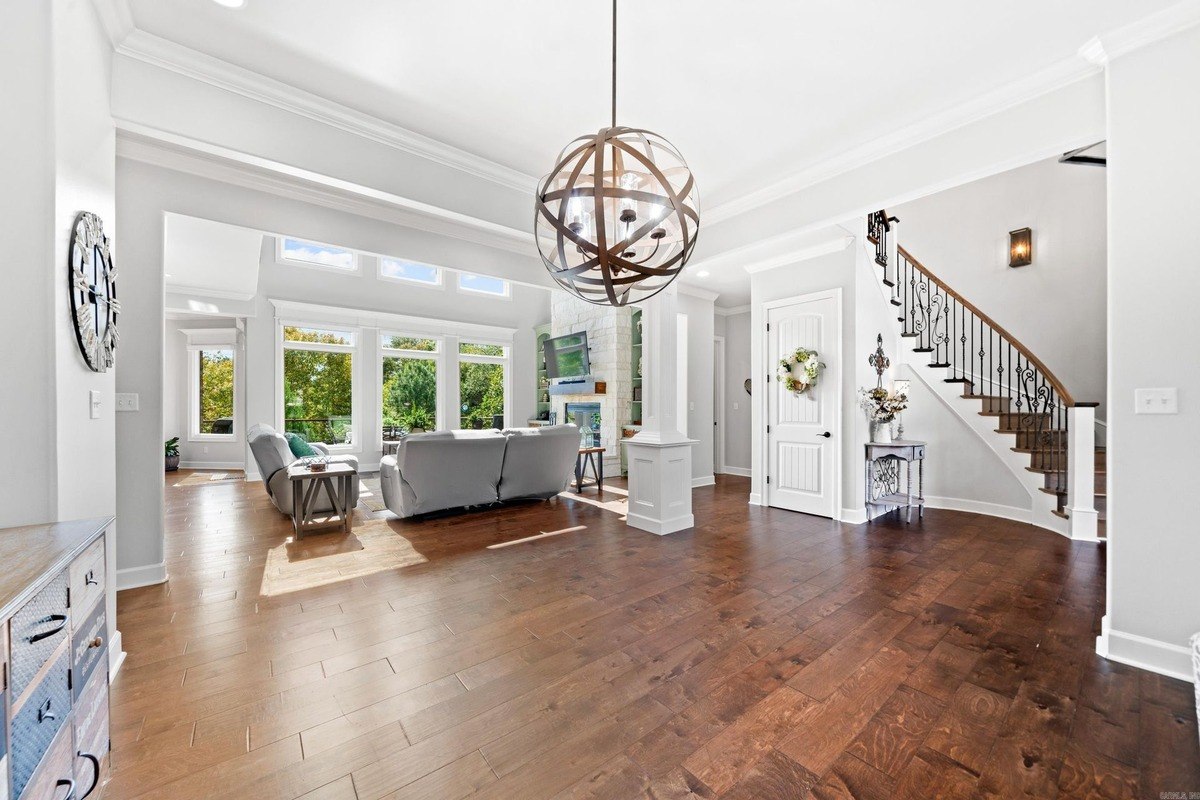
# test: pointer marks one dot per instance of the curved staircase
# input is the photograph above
(1025, 407)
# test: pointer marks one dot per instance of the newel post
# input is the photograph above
(1081, 472)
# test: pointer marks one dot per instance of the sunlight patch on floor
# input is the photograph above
(542, 535)
(320, 559)
(618, 505)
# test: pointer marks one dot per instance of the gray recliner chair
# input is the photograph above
(273, 456)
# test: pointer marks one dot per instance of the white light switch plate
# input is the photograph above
(1155, 401)
(94, 404)
(127, 401)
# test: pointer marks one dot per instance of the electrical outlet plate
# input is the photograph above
(1156, 401)
(127, 401)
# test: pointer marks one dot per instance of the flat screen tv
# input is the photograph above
(567, 356)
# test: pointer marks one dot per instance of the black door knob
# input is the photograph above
(826, 434)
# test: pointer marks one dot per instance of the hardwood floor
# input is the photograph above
(547, 650)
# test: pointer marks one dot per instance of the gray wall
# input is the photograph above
(700, 383)
(1154, 285)
(737, 403)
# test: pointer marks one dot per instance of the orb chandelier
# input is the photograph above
(616, 218)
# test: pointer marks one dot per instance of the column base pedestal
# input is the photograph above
(660, 485)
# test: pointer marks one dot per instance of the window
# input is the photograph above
(483, 284)
(313, 254)
(399, 270)
(318, 384)
(211, 398)
(409, 380)
(482, 384)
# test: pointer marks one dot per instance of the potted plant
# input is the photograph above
(172, 453)
(882, 406)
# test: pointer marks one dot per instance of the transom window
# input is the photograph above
(484, 284)
(398, 269)
(318, 384)
(315, 254)
(211, 396)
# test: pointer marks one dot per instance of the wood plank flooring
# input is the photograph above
(547, 650)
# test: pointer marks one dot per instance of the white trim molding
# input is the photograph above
(979, 507)
(704, 480)
(224, 465)
(1101, 49)
(165, 54)
(1143, 652)
(137, 577)
(363, 318)
(741, 472)
(697, 292)
(116, 655)
(731, 311)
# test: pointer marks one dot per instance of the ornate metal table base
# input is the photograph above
(890, 487)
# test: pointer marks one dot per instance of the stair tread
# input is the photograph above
(922, 349)
(1058, 513)
(888, 284)
(1052, 492)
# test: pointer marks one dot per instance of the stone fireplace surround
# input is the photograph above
(610, 347)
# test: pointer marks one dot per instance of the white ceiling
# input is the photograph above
(750, 92)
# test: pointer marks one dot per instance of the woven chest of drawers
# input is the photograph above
(54, 740)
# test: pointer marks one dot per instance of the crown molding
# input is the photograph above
(1171, 20)
(1056, 76)
(732, 311)
(168, 55)
(159, 148)
(698, 293)
(117, 19)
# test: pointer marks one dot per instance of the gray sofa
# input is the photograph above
(273, 456)
(457, 469)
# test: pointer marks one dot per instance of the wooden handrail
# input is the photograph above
(1067, 400)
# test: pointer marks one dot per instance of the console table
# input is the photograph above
(888, 486)
(54, 645)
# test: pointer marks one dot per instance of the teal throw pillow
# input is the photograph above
(299, 447)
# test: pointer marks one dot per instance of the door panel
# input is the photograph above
(801, 459)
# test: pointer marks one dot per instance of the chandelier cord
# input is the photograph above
(614, 66)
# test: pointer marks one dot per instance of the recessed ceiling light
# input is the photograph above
(702, 273)
(230, 3)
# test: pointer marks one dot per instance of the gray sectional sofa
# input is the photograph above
(273, 456)
(456, 469)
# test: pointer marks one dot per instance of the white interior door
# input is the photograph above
(802, 429)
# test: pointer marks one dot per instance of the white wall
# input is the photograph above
(737, 403)
(700, 315)
(1153, 327)
(1056, 305)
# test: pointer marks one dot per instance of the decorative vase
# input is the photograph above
(881, 432)
(172, 463)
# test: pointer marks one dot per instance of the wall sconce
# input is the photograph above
(1020, 247)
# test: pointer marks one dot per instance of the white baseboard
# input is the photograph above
(853, 516)
(212, 465)
(1142, 652)
(252, 476)
(661, 527)
(704, 480)
(743, 472)
(136, 577)
(756, 499)
(116, 655)
(979, 507)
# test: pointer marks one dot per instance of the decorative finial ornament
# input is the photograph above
(616, 219)
(879, 361)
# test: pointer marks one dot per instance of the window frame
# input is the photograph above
(437, 356)
(440, 283)
(355, 351)
(507, 295)
(193, 404)
(281, 259)
(504, 360)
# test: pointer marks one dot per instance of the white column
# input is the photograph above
(1081, 473)
(660, 455)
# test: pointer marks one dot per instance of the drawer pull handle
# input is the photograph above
(97, 642)
(95, 772)
(44, 713)
(59, 618)
(70, 784)
(90, 579)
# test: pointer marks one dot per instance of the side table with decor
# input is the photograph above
(888, 485)
(309, 477)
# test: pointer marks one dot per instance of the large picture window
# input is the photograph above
(211, 401)
(318, 384)
(481, 384)
(409, 379)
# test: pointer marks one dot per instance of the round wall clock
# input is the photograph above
(93, 287)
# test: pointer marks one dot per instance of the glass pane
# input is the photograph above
(409, 396)
(323, 254)
(481, 392)
(317, 398)
(409, 343)
(471, 349)
(216, 391)
(409, 271)
(482, 283)
(319, 335)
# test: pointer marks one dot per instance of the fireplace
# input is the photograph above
(587, 417)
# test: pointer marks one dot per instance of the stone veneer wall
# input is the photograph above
(610, 344)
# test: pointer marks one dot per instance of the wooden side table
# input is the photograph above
(335, 479)
(884, 487)
(595, 457)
